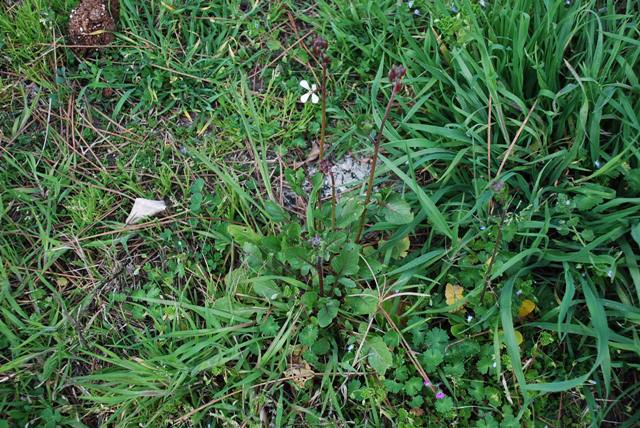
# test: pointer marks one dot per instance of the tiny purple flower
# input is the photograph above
(426, 382)
(497, 186)
(440, 395)
(316, 241)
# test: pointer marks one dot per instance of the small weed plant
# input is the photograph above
(482, 272)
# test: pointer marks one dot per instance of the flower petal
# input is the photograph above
(314, 98)
(305, 85)
(305, 97)
(314, 87)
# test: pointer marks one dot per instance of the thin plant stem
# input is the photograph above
(334, 200)
(489, 142)
(320, 276)
(374, 161)
(487, 275)
(410, 353)
(323, 126)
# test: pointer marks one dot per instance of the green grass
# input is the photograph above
(209, 314)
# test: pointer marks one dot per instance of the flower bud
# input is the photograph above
(319, 45)
(396, 73)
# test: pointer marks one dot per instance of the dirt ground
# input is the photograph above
(92, 23)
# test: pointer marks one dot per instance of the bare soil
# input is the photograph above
(92, 23)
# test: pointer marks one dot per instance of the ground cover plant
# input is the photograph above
(480, 270)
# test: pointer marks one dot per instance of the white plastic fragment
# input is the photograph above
(145, 208)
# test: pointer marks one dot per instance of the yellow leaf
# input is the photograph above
(453, 294)
(400, 249)
(526, 307)
(519, 338)
(403, 248)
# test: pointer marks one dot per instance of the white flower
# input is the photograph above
(469, 318)
(311, 92)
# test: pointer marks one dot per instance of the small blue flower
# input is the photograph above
(416, 12)
(610, 273)
(597, 164)
(454, 9)
(483, 227)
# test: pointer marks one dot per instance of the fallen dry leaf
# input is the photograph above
(313, 155)
(453, 294)
(299, 374)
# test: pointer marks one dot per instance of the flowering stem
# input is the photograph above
(374, 160)
(323, 126)
(333, 200)
(320, 276)
(319, 49)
